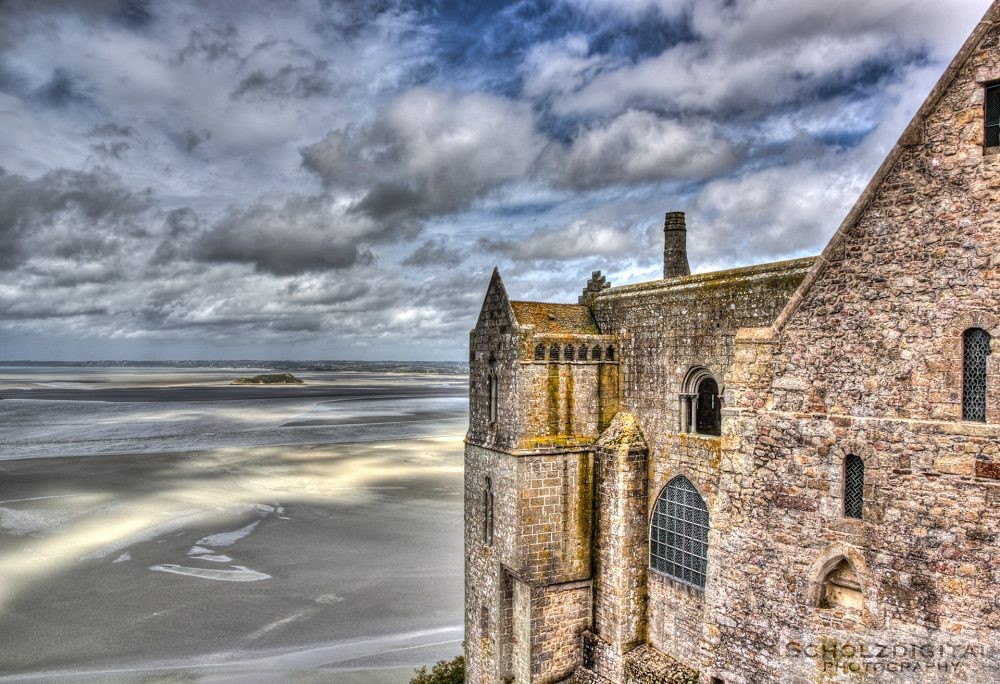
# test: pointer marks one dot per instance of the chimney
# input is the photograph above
(675, 257)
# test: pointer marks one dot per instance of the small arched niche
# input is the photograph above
(841, 588)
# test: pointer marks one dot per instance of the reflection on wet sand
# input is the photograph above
(234, 563)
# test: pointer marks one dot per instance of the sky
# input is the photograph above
(325, 179)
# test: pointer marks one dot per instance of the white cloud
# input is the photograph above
(641, 147)
(429, 153)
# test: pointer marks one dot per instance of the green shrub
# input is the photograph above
(445, 672)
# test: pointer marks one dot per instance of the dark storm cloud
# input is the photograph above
(210, 43)
(135, 12)
(62, 89)
(290, 81)
(296, 324)
(190, 139)
(19, 17)
(111, 150)
(302, 234)
(326, 292)
(65, 212)
(434, 253)
(179, 227)
(112, 130)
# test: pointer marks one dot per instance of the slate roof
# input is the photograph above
(555, 319)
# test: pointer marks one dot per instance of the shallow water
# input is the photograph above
(229, 539)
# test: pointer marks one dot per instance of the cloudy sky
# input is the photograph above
(335, 179)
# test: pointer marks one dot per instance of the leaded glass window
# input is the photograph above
(678, 537)
(992, 113)
(976, 350)
(854, 487)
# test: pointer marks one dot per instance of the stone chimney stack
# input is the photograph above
(675, 256)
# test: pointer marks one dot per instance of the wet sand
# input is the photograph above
(332, 563)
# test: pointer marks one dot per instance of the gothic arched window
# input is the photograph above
(488, 512)
(595, 354)
(540, 352)
(570, 353)
(610, 356)
(854, 487)
(678, 536)
(554, 352)
(975, 352)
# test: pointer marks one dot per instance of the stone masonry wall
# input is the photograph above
(867, 362)
(667, 328)
(561, 614)
(488, 585)
(561, 403)
(676, 612)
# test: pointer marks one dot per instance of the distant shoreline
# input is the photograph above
(442, 367)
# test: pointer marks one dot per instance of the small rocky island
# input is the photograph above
(273, 379)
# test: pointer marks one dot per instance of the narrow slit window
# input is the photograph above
(492, 391)
(488, 512)
(854, 487)
(678, 535)
(976, 352)
(991, 138)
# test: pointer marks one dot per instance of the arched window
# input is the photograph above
(488, 512)
(841, 588)
(554, 352)
(975, 352)
(701, 403)
(854, 487)
(610, 355)
(678, 537)
(570, 353)
(595, 354)
(540, 352)
(708, 417)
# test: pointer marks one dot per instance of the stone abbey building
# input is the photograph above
(780, 473)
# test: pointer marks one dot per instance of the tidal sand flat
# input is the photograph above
(331, 560)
